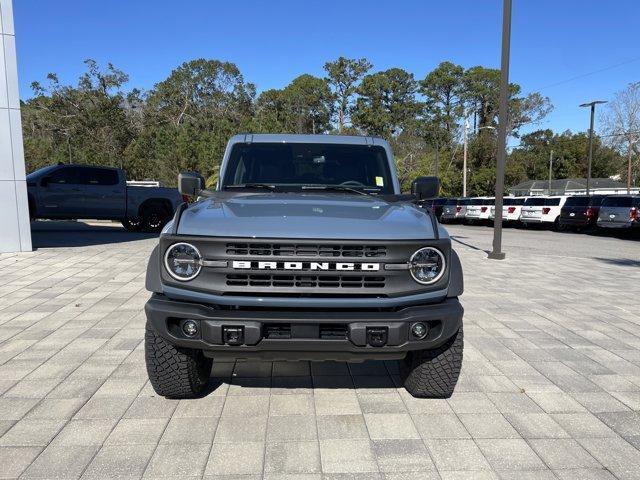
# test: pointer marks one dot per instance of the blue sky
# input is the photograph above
(274, 41)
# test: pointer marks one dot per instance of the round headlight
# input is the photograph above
(183, 261)
(427, 265)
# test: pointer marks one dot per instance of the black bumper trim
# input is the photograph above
(444, 320)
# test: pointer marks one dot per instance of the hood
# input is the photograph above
(305, 215)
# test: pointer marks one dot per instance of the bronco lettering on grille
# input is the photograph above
(328, 266)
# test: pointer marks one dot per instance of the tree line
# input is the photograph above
(185, 120)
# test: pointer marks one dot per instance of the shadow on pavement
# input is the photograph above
(55, 234)
(457, 238)
(624, 262)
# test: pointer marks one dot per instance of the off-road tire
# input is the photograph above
(174, 372)
(433, 373)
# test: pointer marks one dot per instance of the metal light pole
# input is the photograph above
(464, 157)
(503, 116)
(592, 105)
(550, 169)
(465, 143)
(629, 161)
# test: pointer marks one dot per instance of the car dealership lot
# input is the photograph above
(550, 385)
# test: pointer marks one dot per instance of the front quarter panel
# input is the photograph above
(153, 281)
(456, 276)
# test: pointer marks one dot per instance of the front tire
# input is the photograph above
(174, 372)
(433, 373)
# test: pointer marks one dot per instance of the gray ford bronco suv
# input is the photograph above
(305, 250)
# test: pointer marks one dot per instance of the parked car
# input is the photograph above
(511, 209)
(478, 209)
(543, 210)
(435, 205)
(454, 210)
(620, 211)
(82, 191)
(580, 211)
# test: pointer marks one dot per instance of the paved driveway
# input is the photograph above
(550, 385)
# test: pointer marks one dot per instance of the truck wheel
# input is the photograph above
(433, 373)
(174, 372)
(154, 217)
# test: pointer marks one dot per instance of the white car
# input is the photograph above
(543, 210)
(479, 209)
(511, 209)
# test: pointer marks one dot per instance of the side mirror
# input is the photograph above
(425, 187)
(190, 183)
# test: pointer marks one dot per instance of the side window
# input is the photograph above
(98, 176)
(64, 176)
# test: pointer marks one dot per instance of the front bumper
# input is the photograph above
(350, 337)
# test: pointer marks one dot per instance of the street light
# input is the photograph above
(503, 115)
(464, 155)
(464, 152)
(593, 111)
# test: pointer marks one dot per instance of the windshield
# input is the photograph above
(293, 166)
(512, 201)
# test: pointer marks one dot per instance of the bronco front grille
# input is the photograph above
(305, 250)
(305, 281)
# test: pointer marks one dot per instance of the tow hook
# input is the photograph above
(233, 335)
(377, 336)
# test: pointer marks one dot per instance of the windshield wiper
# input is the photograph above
(264, 186)
(336, 188)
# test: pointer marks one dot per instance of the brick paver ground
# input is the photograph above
(550, 385)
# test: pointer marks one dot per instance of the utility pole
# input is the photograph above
(550, 169)
(592, 105)
(437, 162)
(464, 156)
(629, 157)
(503, 117)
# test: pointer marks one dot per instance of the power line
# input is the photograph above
(577, 77)
(622, 134)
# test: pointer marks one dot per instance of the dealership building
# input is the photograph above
(15, 233)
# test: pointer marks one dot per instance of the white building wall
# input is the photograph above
(15, 229)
